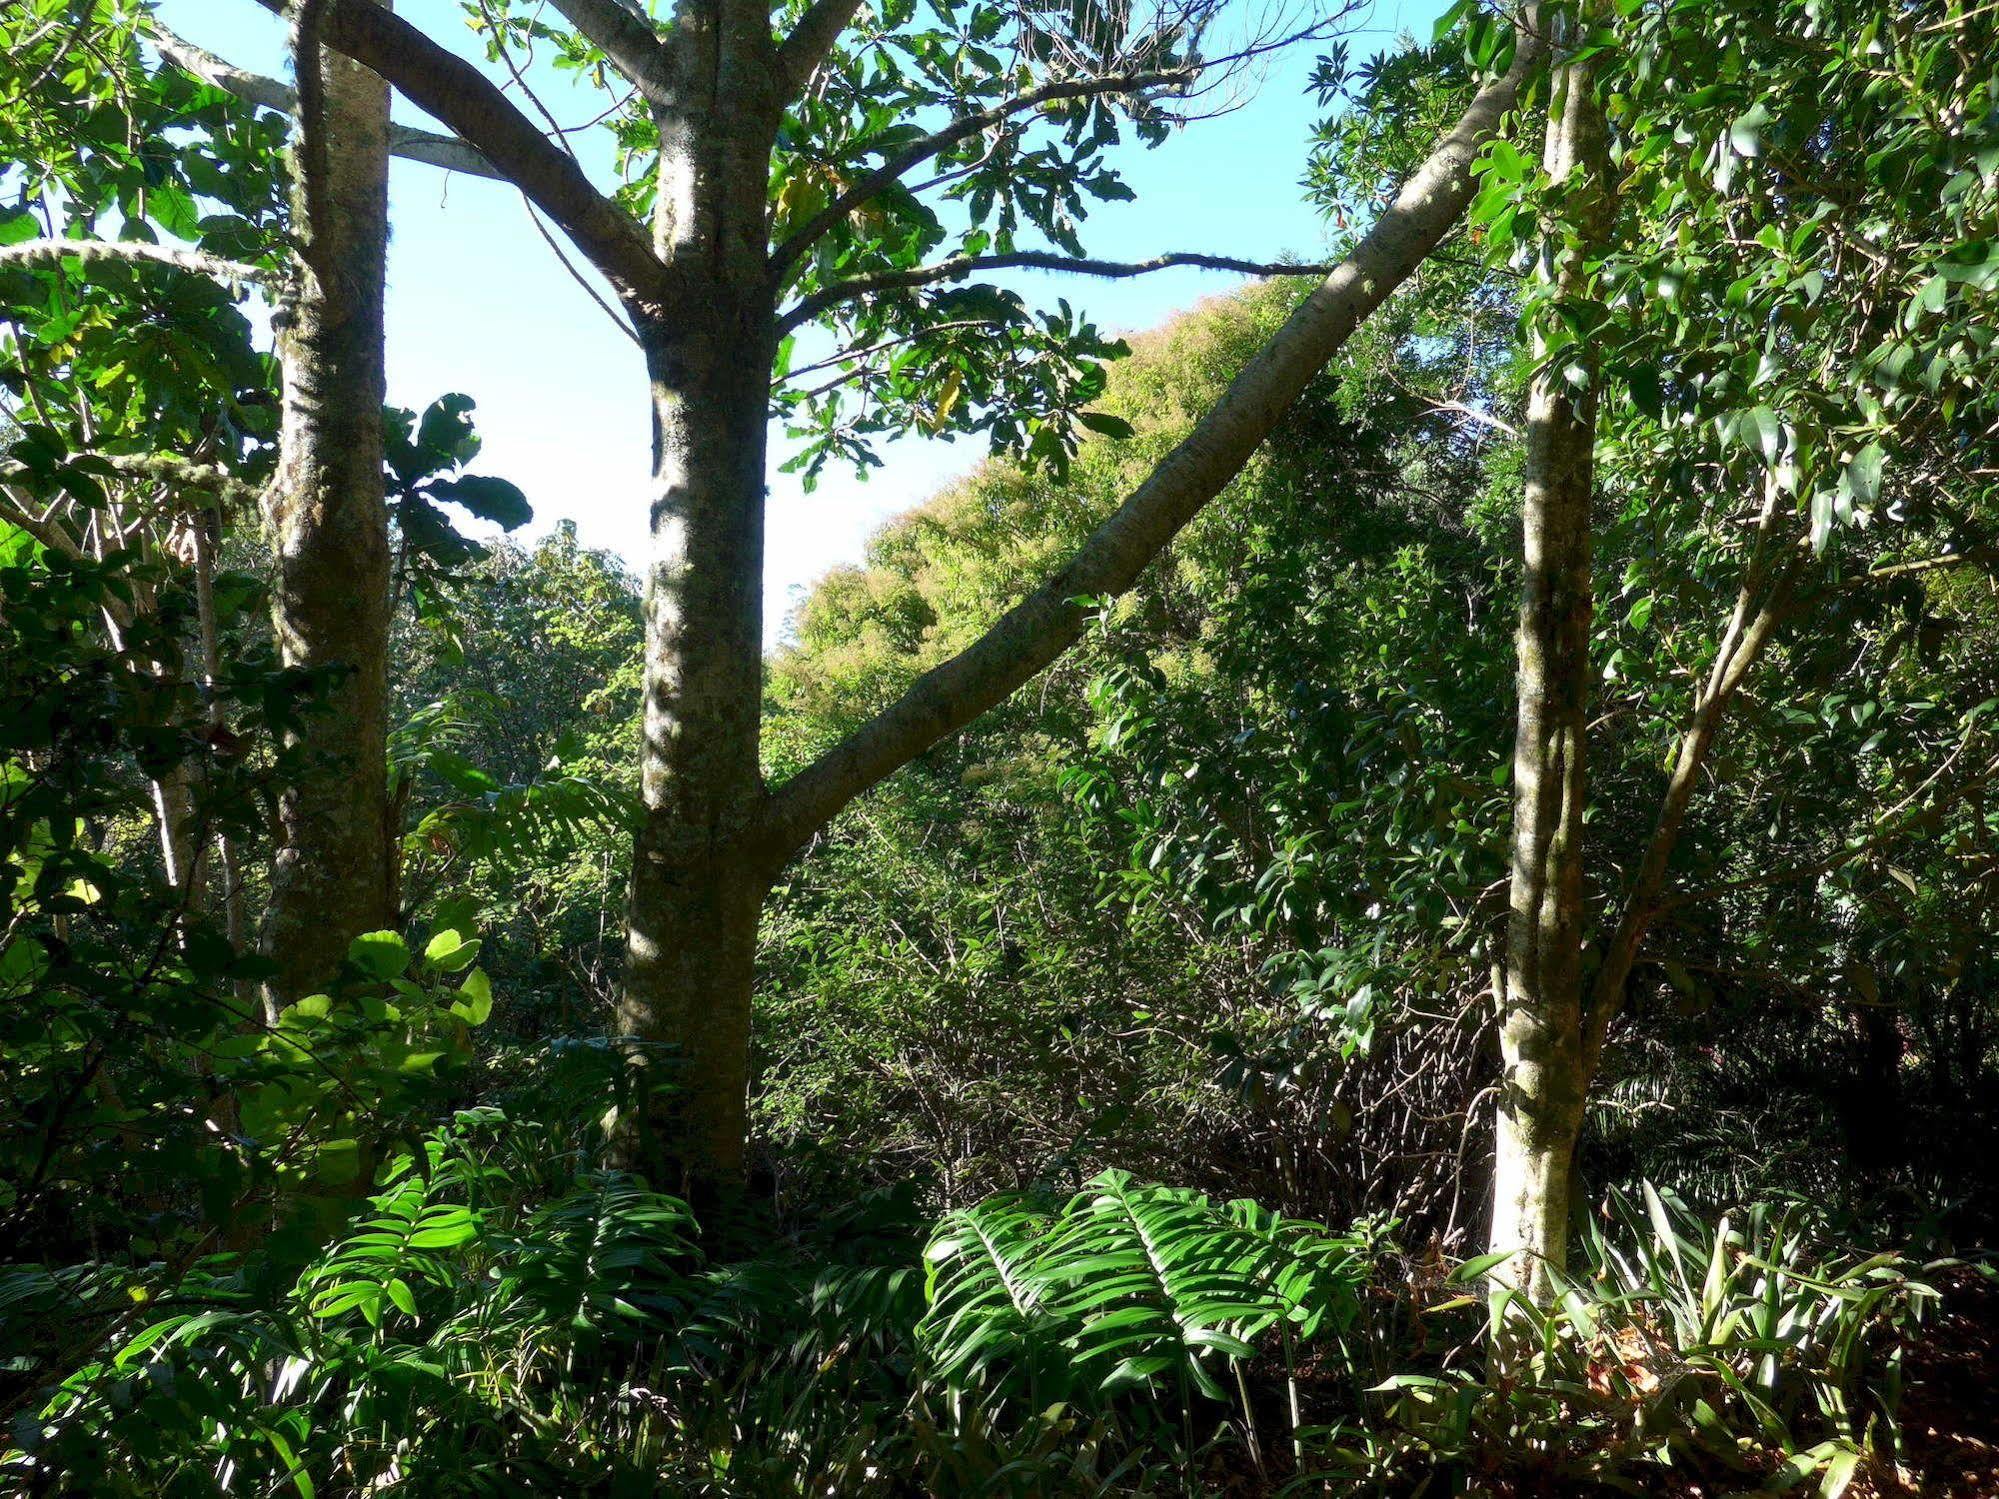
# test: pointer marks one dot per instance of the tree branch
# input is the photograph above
(1742, 645)
(1750, 626)
(47, 252)
(811, 42)
(447, 152)
(426, 146)
(959, 266)
(450, 89)
(625, 37)
(169, 469)
(917, 152)
(1051, 618)
(1969, 557)
(216, 72)
(44, 528)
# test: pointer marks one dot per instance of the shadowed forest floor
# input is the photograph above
(1950, 1415)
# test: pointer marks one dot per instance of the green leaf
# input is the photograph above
(1477, 1266)
(490, 499)
(380, 955)
(475, 1001)
(1760, 429)
(1746, 134)
(1863, 474)
(451, 950)
(445, 1228)
(339, 1161)
(445, 432)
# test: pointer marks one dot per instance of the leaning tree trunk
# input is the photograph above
(328, 527)
(702, 864)
(1545, 1077)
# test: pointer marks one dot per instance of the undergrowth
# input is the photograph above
(481, 1329)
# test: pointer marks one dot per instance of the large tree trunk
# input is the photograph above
(700, 868)
(328, 526)
(1545, 1077)
(701, 865)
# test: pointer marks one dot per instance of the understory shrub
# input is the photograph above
(479, 1330)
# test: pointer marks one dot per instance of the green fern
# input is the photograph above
(606, 1258)
(984, 1288)
(401, 1243)
(1155, 1279)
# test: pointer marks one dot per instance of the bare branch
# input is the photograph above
(1052, 617)
(426, 146)
(447, 152)
(917, 152)
(1471, 414)
(1750, 626)
(811, 42)
(1969, 557)
(959, 266)
(555, 248)
(855, 356)
(453, 90)
(623, 35)
(32, 253)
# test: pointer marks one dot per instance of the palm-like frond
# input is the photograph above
(605, 1258)
(983, 1286)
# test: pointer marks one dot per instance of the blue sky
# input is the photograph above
(478, 303)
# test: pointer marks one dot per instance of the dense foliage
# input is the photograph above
(1124, 1067)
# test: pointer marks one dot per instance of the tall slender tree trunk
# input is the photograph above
(328, 526)
(702, 864)
(1545, 1076)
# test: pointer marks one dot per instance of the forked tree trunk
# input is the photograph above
(702, 865)
(713, 838)
(328, 529)
(1545, 1073)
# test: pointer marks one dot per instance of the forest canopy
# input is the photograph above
(1395, 895)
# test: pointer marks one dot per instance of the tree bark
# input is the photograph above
(1544, 1079)
(701, 864)
(328, 526)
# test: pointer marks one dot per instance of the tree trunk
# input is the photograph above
(702, 864)
(329, 534)
(1545, 1078)
(700, 868)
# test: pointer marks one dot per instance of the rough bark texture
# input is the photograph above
(701, 869)
(1544, 1078)
(328, 529)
